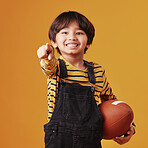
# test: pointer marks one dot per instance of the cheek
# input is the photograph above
(85, 39)
(60, 40)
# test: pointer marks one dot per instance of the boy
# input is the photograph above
(74, 86)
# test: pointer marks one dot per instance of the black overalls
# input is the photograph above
(76, 121)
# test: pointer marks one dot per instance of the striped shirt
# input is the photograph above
(103, 90)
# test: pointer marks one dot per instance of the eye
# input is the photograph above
(79, 33)
(64, 32)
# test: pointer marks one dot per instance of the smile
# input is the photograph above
(72, 45)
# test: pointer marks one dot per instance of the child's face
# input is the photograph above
(71, 40)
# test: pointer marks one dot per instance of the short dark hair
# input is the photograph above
(65, 18)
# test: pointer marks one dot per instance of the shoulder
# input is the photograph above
(97, 67)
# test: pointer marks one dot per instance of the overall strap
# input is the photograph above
(91, 74)
(63, 69)
(90, 68)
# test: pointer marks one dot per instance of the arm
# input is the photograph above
(106, 93)
(47, 59)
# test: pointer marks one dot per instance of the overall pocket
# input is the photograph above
(76, 107)
(50, 133)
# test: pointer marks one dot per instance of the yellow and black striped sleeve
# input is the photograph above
(49, 67)
(106, 93)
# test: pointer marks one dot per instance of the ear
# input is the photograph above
(54, 44)
(87, 46)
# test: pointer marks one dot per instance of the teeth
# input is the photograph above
(72, 45)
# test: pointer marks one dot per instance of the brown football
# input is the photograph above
(118, 117)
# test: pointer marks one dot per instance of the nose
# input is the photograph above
(72, 37)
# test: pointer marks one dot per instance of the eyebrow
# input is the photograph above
(75, 28)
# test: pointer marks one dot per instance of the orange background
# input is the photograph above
(120, 45)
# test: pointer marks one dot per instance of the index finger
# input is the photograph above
(49, 47)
